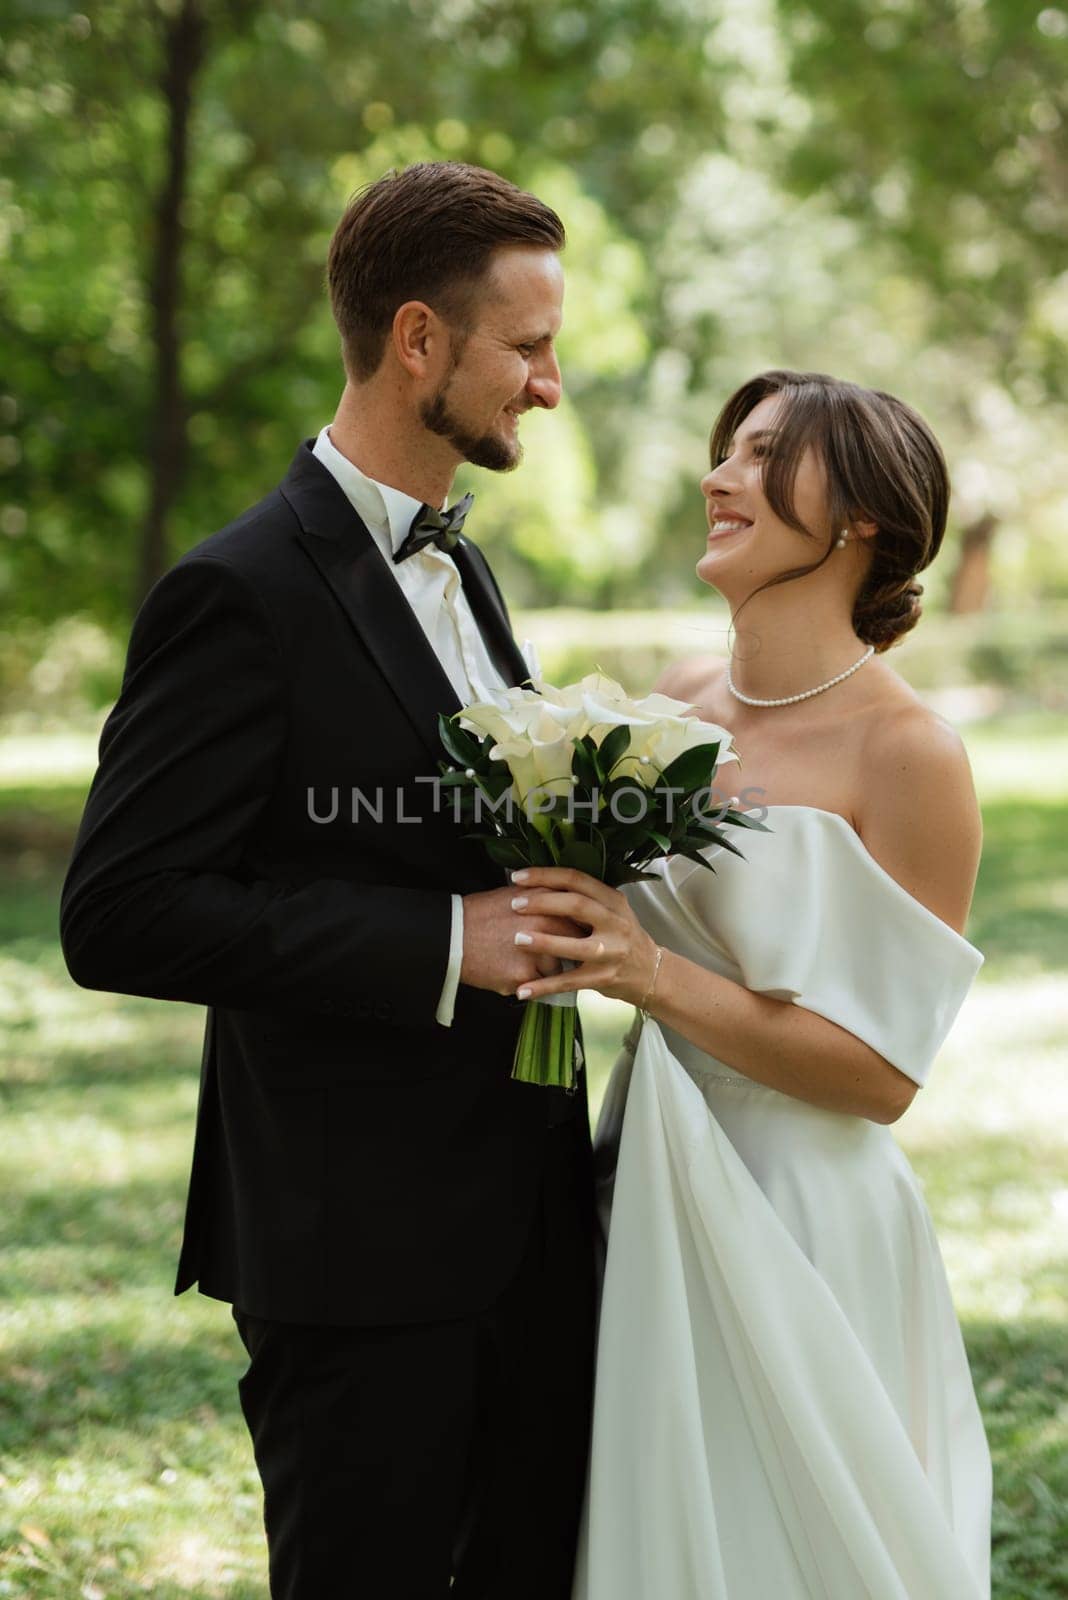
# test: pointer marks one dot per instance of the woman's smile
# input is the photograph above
(723, 523)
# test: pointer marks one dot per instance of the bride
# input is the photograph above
(783, 1404)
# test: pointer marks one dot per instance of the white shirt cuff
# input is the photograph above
(447, 1002)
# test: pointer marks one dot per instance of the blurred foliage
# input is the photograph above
(860, 186)
(268, 175)
(941, 128)
(941, 125)
(58, 678)
(1019, 659)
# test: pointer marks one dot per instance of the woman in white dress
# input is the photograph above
(783, 1408)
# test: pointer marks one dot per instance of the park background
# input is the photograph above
(878, 188)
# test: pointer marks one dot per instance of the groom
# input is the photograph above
(405, 1234)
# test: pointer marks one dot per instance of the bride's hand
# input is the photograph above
(616, 957)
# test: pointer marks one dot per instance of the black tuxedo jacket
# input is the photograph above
(355, 1162)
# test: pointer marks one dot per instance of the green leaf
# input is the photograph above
(737, 820)
(701, 861)
(716, 836)
(694, 769)
(496, 780)
(540, 854)
(584, 857)
(461, 745)
(624, 873)
(507, 853)
(613, 747)
(584, 766)
(692, 851)
(557, 810)
(628, 804)
(622, 839)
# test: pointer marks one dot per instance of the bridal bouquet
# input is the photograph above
(584, 777)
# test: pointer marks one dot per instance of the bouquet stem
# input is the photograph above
(545, 1050)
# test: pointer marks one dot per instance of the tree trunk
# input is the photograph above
(970, 587)
(183, 54)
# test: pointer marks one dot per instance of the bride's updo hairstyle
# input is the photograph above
(882, 465)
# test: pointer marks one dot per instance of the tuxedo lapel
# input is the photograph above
(489, 613)
(346, 556)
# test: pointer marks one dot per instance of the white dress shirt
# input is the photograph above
(431, 585)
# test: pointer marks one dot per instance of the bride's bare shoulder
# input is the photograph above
(693, 680)
(918, 813)
(908, 743)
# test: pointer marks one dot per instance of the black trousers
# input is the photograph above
(440, 1461)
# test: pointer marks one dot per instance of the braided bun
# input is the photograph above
(884, 615)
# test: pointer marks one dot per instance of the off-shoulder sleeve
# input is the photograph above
(811, 917)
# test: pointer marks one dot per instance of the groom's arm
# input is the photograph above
(156, 900)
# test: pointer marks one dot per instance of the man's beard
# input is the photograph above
(482, 450)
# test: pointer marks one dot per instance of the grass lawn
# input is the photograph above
(124, 1465)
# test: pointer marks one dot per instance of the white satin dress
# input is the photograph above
(783, 1405)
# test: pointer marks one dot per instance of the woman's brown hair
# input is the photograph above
(427, 233)
(883, 465)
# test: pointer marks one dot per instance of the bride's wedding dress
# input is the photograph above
(784, 1409)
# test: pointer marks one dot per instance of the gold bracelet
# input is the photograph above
(648, 995)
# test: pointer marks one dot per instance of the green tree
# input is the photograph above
(174, 168)
(940, 126)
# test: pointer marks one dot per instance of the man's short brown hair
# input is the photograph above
(427, 233)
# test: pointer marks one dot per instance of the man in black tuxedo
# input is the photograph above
(405, 1233)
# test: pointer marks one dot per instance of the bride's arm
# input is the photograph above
(770, 1041)
(926, 842)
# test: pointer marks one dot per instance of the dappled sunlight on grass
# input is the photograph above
(989, 1139)
(1003, 1064)
(193, 1556)
(63, 1036)
(1019, 919)
(1022, 757)
(1021, 1375)
(123, 1441)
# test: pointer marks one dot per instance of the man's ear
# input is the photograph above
(418, 336)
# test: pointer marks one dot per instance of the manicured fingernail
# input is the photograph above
(520, 876)
(524, 938)
(519, 902)
(522, 994)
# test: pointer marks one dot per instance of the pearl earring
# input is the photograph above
(841, 541)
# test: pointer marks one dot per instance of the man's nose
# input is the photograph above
(545, 385)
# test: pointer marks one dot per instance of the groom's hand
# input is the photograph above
(492, 959)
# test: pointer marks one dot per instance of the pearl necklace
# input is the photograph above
(792, 699)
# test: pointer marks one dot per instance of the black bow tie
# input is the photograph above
(435, 527)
